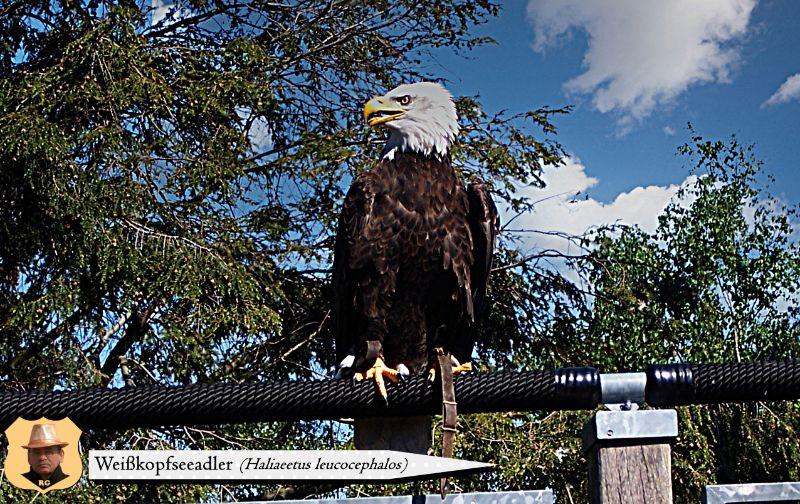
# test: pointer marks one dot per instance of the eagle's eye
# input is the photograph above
(404, 100)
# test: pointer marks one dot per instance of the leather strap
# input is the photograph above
(449, 410)
(374, 350)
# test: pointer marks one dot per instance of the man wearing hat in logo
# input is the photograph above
(45, 453)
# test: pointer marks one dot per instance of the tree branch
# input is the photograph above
(36, 348)
(137, 327)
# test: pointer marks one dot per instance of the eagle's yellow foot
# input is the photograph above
(378, 371)
(458, 368)
(462, 368)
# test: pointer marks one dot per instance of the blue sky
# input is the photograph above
(637, 71)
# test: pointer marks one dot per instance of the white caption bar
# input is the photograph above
(270, 465)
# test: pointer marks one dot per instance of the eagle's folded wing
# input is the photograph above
(484, 225)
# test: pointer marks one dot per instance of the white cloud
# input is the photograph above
(668, 130)
(644, 53)
(160, 10)
(560, 209)
(789, 90)
(260, 135)
(163, 8)
(259, 132)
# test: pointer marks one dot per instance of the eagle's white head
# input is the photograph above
(421, 118)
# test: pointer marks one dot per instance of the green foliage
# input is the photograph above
(716, 282)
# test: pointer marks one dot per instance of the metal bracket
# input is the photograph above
(622, 391)
(641, 425)
(752, 492)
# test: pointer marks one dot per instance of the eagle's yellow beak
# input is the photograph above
(380, 110)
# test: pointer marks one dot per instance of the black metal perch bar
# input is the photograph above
(577, 388)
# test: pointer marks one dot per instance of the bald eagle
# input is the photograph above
(413, 247)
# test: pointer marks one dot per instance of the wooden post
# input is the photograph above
(407, 434)
(629, 456)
